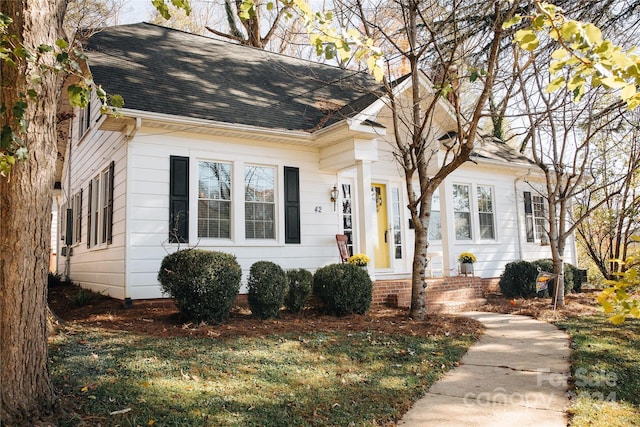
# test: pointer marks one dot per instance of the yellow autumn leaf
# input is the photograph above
(560, 54)
(628, 91)
(618, 319)
(613, 82)
(555, 84)
(593, 33)
(569, 29)
(527, 39)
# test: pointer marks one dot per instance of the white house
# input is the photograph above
(267, 157)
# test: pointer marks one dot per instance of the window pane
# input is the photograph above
(485, 212)
(347, 220)
(461, 198)
(435, 227)
(259, 184)
(214, 200)
(435, 230)
(95, 205)
(462, 211)
(539, 217)
(486, 226)
(463, 225)
(259, 193)
(396, 220)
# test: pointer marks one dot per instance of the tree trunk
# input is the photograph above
(418, 284)
(25, 217)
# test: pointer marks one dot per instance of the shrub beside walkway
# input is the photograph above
(516, 374)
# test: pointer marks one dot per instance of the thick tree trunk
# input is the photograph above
(25, 220)
(418, 284)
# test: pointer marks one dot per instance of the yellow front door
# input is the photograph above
(381, 244)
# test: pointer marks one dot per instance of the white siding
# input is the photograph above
(149, 205)
(128, 267)
(101, 267)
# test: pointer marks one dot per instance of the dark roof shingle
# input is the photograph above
(162, 70)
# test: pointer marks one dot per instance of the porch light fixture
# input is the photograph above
(334, 196)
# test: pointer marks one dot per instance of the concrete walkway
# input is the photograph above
(515, 375)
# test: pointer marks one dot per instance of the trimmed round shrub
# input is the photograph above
(518, 279)
(547, 265)
(267, 286)
(578, 276)
(300, 284)
(203, 284)
(343, 288)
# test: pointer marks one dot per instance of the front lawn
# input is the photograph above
(337, 377)
(605, 370)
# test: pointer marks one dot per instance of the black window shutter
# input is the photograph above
(528, 216)
(79, 236)
(112, 167)
(69, 224)
(179, 199)
(89, 214)
(291, 205)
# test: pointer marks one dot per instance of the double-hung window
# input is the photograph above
(396, 222)
(347, 215)
(259, 202)
(77, 217)
(485, 212)
(84, 122)
(462, 211)
(100, 208)
(214, 200)
(435, 225)
(535, 217)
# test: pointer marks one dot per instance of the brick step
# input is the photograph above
(455, 294)
(455, 306)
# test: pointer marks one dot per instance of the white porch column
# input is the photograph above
(366, 233)
(446, 212)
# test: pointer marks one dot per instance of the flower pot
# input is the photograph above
(466, 268)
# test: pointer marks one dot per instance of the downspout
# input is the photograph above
(67, 261)
(518, 219)
(128, 137)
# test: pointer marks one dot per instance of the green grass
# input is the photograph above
(325, 378)
(606, 371)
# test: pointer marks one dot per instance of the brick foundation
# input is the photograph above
(442, 295)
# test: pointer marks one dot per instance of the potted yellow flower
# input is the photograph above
(361, 260)
(466, 260)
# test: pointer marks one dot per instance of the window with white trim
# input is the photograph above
(435, 225)
(347, 215)
(94, 210)
(486, 216)
(84, 121)
(214, 200)
(100, 208)
(396, 223)
(105, 197)
(259, 202)
(77, 217)
(462, 211)
(535, 218)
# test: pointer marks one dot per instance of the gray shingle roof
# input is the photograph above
(162, 70)
(494, 149)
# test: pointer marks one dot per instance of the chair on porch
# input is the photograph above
(343, 249)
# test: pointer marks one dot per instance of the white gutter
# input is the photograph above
(214, 125)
